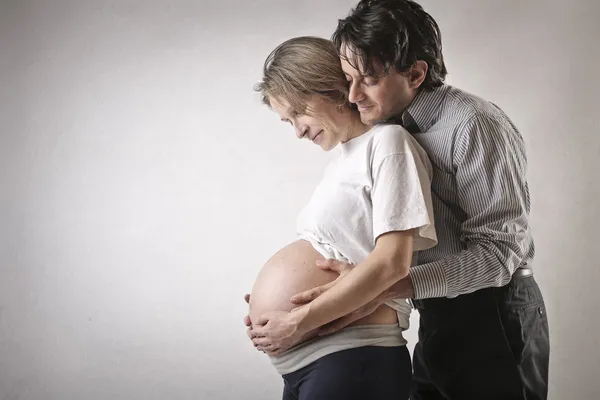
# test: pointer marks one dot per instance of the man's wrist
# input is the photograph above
(429, 280)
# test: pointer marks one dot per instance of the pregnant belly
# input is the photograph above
(293, 270)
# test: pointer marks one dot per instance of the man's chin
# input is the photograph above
(369, 116)
(369, 120)
(373, 119)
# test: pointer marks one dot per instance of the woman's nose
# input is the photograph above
(301, 131)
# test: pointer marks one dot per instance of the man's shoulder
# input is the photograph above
(464, 107)
(472, 116)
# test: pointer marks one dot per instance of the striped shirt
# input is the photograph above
(480, 194)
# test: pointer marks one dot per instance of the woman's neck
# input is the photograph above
(355, 127)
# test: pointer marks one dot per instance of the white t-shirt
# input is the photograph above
(380, 182)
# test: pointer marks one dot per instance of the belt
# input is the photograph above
(519, 273)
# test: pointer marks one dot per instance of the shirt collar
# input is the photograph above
(422, 113)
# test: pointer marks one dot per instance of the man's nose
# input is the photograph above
(356, 94)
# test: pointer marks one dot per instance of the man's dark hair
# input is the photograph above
(397, 33)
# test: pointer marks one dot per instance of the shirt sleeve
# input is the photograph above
(490, 163)
(401, 192)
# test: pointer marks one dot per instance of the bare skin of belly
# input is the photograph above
(293, 270)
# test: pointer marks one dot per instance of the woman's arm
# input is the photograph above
(401, 212)
(387, 264)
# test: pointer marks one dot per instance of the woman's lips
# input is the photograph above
(317, 136)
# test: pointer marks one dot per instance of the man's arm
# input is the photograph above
(490, 165)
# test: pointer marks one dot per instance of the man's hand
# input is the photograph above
(276, 332)
(346, 320)
(340, 267)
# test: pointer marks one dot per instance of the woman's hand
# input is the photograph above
(340, 267)
(278, 331)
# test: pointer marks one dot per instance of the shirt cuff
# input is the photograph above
(429, 280)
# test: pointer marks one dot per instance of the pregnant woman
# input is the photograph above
(372, 208)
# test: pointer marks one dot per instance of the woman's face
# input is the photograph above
(327, 125)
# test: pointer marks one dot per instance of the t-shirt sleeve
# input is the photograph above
(401, 191)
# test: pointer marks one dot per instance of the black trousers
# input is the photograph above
(364, 373)
(490, 344)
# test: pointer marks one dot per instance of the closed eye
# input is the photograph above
(370, 81)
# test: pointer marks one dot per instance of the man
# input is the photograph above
(483, 330)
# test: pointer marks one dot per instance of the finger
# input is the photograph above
(273, 353)
(310, 295)
(249, 333)
(258, 331)
(263, 319)
(267, 352)
(262, 342)
(326, 264)
(307, 296)
(253, 333)
(261, 350)
(267, 348)
(332, 265)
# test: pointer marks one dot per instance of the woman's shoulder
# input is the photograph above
(391, 138)
(389, 129)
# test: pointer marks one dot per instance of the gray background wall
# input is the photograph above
(143, 185)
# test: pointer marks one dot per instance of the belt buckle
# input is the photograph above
(523, 272)
(412, 303)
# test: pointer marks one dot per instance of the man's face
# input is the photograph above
(378, 97)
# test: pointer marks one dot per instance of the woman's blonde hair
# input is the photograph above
(300, 68)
